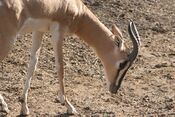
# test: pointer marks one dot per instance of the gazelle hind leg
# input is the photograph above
(36, 44)
(3, 105)
(57, 42)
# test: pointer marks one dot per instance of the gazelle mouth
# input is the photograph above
(113, 89)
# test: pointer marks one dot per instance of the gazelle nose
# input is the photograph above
(113, 89)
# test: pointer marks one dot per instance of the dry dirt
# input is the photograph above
(147, 90)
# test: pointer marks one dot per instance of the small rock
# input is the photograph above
(161, 65)
(168, 76)
(87, 108)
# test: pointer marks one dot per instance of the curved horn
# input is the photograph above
(135, 40)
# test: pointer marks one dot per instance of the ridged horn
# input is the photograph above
(134, 35)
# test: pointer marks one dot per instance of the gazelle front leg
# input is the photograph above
(36, 44)
(57, 42)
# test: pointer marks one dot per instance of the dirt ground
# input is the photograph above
(148, 89)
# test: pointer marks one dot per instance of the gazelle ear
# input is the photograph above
(116, 31)
(120, 43)
(118, 37)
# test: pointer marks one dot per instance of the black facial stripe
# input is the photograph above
(124, 73)
(122, 65)
(121, 78)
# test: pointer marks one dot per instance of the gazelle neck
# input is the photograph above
(99, 37)
(93, 32)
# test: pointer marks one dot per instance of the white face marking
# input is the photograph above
(121, 72)
(122, 47)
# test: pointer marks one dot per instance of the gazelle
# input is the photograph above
(60, 18)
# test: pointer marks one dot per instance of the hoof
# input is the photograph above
(72, 112)
(3, 105)
(25, 112)
(6, 111)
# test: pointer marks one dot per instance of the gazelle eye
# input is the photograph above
(122, 65)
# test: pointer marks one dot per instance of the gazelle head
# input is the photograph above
(125, 59)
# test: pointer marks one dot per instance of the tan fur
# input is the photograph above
(60, 17)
